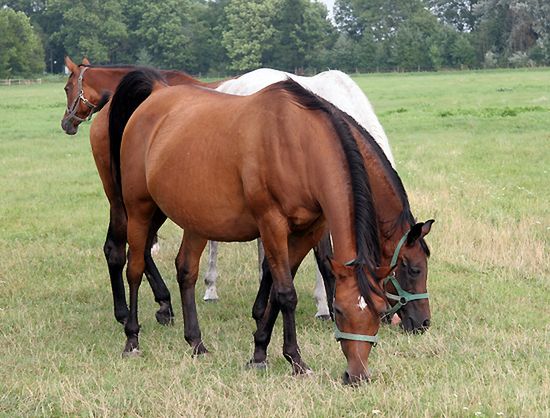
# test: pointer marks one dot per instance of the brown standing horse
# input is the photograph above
(282, 164)
(88, 90)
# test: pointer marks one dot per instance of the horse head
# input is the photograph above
(406, 287)
(356, 323)
(82, 99)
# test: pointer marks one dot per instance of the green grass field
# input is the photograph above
(473, 150)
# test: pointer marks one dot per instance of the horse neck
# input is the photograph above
(104, 79)
(334, 194)
(388, 203)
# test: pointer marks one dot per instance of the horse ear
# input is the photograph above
(70, 64)
(340, 270)
(85, 61)
(419, 230)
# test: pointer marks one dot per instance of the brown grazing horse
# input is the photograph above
(403, 249)
(282, 164)
(88, 90)
(401, 237)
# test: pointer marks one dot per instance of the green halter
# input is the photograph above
(403, 297)
(339, 335)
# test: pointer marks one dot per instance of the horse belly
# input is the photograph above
(195, 201)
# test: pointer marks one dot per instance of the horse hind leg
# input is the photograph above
(187, 265)
(139, 225)
(115, 255)
(261, 257)
(211, 276)
(165, 314)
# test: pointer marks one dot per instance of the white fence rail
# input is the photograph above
(19, 81)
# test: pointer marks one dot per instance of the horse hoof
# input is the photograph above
(199, 350)
(306, 373)
(323, 317)
(134, 352)
(210, 300)
(302, 371)
(165, 315)
(164, 318)
(262, 365)
(210, 295)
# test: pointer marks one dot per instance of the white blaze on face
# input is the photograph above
(362, 304)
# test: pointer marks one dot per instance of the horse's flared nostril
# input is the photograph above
(426, 323)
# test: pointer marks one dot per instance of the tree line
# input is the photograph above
(234, 36)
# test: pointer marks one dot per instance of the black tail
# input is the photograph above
(133, 89)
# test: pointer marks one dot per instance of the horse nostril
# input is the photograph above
(346, 378)
(426, 323)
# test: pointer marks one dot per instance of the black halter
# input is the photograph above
(80, 97)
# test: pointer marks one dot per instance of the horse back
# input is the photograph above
(205, 155)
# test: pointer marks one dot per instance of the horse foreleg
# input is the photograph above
(211, 276)
(187, 265)
(283, 266)
(165, 314)
(115, 254)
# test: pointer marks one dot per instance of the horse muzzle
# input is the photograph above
(414, 325)
(68, 127)
(355, 380)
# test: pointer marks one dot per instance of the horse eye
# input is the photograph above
(66, 89)
(413, 271)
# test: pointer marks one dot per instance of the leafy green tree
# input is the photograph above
(302, 34)
(509, 28)
(416, 42)
(460, 14)
(92, 28)
(211, 53)
(380, 19)
(250, 31)
(21, 51)
(343, 55)
(166, 32)
(463, 53)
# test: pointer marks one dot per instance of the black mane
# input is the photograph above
(366, 228)
(406, 215)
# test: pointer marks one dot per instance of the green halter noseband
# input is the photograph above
(339, 335)
(403, 297)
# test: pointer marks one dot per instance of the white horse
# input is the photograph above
(334, 86)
